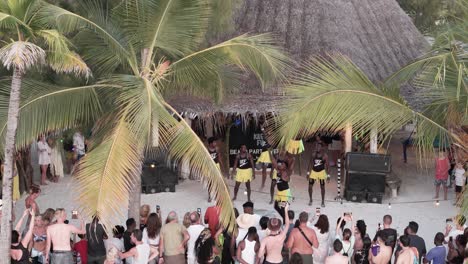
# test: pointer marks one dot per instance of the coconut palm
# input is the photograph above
(27, 43)
(142, 51)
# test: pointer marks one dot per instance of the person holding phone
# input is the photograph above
(272, 245)
(19, 245)
(379, 252)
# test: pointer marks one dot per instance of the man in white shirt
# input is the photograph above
(460, 227)
(194, 231)
(116, 242)
(249, 209)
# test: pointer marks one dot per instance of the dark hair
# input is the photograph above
(323, 224)
(211, 140)
(137, 234)
(347, 234)
(153, 225)
(361, 227)
(461, 240)
(296, 259)
(35, 189)
(253, 232)
(405, 240)
(366, 241)
(461, 220)
(264, 222)
(82, 236)
(291, 215)
(387, 219)
(130, 222)
(439, 238)
(303, 217)
(15, 237)
(337, 245)
(204, 248)
(413, 226)
(118, 230)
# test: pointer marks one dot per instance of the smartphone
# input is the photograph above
(451, 239)
(448, 221)
(375, 249)
(74, 214)
(317, 211)
(158, 209)
(199, 211)
(380, 226)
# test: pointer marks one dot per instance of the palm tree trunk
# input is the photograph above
(12, 124)
(134, 201)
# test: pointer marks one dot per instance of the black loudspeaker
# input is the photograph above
(156, 177)
(359, 182)
(374, 197)
(366, 162)
(354, 196)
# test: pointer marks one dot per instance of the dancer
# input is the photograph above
(282, 158)
(216, 156)
(243, 170)
(264, 159)
(317, 170)
(282, 184)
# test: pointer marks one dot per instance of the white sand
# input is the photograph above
(414, 203)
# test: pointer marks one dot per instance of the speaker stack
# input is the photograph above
(157, 177)
(365, 176)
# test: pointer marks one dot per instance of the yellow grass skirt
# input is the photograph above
(274, 176)
(264, 157)
(320, 175)
(244, 175)
(295, 146)
(283, 196)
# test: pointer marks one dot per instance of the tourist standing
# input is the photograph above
(30, 201)
(96, 236)
(272, 245)
(347, 237)
(379, 252)
(205, 248)
(56, 163)
(437, 254)
(460, 181)
(302, 239)
(249, 209)
(145, 210)
(19, 245)
(58, 235)
(244, 222)
(39, 239)
(142, 253)
(337, 257)
(317, 171)
(389, 233)
(321, 229)
(212, 218)
(173, 240)
(441, 169)
(248, 247)
(81, 249)
(406, 255)
(131, 225)
(194, 231)
(263, 232)
(44, 152)
(151, 233)
(415, 240)
(116, 243)
(243, 170)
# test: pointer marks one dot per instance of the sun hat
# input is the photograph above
(245, 221)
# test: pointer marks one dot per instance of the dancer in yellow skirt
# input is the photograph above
(317, 170)
(283, 195)
(264, 159)
(243, 170)
(216, 156)
(283, 158)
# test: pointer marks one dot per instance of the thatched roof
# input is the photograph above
(376, 34)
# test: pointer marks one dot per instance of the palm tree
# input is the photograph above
(31, 44)
(143, 50)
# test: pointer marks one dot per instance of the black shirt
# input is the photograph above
(127, 241)
(95, 235)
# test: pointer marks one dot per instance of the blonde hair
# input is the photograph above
(59, 213)
(145, 210)
(111, 254)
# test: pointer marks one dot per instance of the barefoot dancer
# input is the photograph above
(317, 170)
(243, 171)
(282, 184)
(264, 159)
(215, 155)
(283, 158)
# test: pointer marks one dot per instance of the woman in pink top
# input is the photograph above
(441, 170)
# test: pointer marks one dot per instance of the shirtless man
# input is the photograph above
(406, 255)
(302, 239)
(384, 254)
(337, 257)
(272, 245)
(58, 235)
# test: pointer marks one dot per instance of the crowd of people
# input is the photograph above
(48, 237)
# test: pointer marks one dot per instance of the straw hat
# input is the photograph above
(245, 221)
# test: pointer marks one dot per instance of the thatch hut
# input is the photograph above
(376, 34)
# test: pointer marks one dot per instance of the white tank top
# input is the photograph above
(248, 254)
(143, 254)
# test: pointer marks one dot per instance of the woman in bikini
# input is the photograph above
(39, 240)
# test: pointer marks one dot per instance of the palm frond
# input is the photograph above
(68, 63)
(331, 92)
(8, 21)
(176, 27)
(105, 175)
(256, 54)
(44, 107)
(21, 55)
